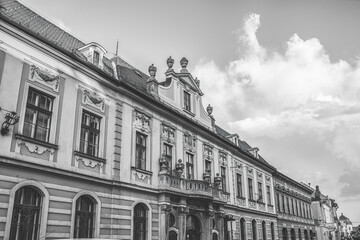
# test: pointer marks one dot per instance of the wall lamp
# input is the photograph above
(10, 119)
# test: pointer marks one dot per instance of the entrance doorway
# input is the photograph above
(193, 231)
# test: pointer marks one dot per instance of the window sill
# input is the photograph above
(35, 141)
(188, 112)
(142, 170)
(80, 154)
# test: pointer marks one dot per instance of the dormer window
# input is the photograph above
(187, 101)
(96, 58)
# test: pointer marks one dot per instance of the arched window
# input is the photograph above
(306, 236)
(172, 235)
(311, 235)
(285, 234)
(243, 229)
(272, 231)
(84, 217)
(293, 235)
(214, 236)
(140, 222)
(254, 230)
(25, 223)
(300, 234)
(263, 224)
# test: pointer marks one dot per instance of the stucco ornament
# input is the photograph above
(170, 62)
(142, 122)
(184, 62)
(168, 134)
(152, 70)
(44, 77)
(34, 148)
(93, 99)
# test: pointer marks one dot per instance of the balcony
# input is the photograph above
(190, 187)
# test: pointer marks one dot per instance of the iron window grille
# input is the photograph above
(84, 217)
(90, 134)
(38, 115)
(25, 223)
(140, 154)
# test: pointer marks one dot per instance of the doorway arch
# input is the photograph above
(193, 228)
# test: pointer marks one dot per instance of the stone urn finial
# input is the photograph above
(152, 70)
(209, 109)
(184, 62)
(170, 62)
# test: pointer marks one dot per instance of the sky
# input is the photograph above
(283, 74)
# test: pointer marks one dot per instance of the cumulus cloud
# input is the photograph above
(351, 180)
(266, 93)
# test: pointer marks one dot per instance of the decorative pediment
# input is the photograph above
(189, 142)
(94, 100)
(45, 77)
(208, 152)
(142, 122)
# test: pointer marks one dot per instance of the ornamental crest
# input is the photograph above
(223, 158)
(250, 170)
(168, 134)
(259, 175)
(142, 122)
(208, 152)
(44, 77)
(189, 142)
(93, 99)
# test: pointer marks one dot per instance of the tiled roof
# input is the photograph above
(23, 16)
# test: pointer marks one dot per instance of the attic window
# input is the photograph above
(187, 101)
(96, 58)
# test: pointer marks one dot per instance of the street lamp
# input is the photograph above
(10, 119)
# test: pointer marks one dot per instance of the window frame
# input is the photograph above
(251, 189)
(96, 57)
(223, 176)
(187, 101)
(260, 192)
(268, 194)
(88, 215)
(91, 130)
(38, 110)
(170, 157)
(190, 165)
(239, 192)
(143, 148)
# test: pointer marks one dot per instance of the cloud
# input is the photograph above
(266, 93)
(351, 180)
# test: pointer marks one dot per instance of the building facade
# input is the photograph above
(325, 216)
(91, 147)
(293, 208)
(346, 227)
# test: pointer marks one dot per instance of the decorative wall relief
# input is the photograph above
(267, 179)
(142, 122)
(208, 152)
(93, 99)
(189, 142)
(259, 175)
(45, 77)
(89, 164)
(250, 170)
(168, 134)
(223, 159)
(35, 150)
(140, 177)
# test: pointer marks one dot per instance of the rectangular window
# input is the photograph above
(260, 198)
(208, 166)
(268, 194)
(278, 202)
(187, 101)
(90, 132)
(300, 209)
(140, 153)
(292, 206)
(96, 58)
(168, 154)
(189, 166)
(223, 178)
(38, 115)
(288, 204)
(283, 203)
(251, 193)
(239, 186)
